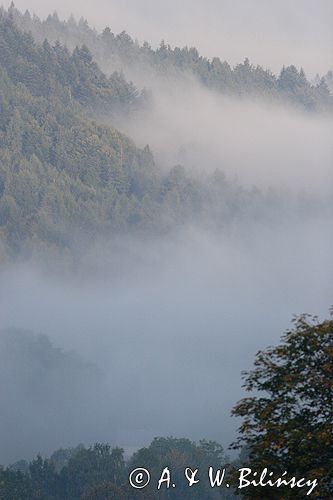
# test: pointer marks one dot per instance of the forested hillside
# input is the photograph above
(60, 171)
(121, 52)
(63, 175)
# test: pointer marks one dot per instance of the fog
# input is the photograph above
(154, 333)
(261, 143)
(169, 328)
(271, 33)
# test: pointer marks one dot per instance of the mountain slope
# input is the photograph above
(121, 52)
(59, 169)
(67, 178)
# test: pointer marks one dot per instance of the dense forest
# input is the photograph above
(65, 175)
(101, 473)
(59, 169)
(121, 52)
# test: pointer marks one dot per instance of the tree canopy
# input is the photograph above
(65, 177)
(101, 473)
(115, 51)
(288, 422)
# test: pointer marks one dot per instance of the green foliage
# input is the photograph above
(66, 179)
(46, 70)
(100, 472)
(14, 485)
(60, 172)
(177, 455)
(84, 468)
(93, 466)
(120, 51)
(289, 425)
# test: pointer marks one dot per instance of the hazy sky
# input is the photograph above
(269, 32)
